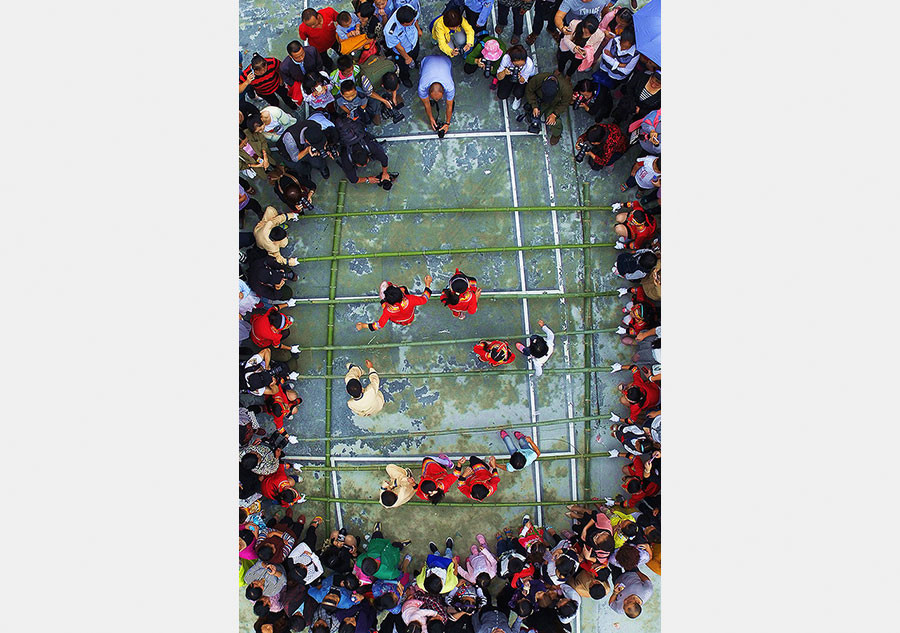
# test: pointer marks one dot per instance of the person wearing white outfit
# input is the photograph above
(539, 349)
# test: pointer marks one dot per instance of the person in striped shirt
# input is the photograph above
(263, 74)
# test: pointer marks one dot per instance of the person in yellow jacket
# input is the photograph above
(448, 31)
(368, 401)
(438, 575)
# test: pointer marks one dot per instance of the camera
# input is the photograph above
(395, 115)
(577, 100)
(581, 149)
(534, 123)
(305, 203)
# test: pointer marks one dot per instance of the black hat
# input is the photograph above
(313, 135)
(549, 88)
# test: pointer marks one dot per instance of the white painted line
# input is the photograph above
(492, 293)
(388, 460)
(454, 135)
(337, 495)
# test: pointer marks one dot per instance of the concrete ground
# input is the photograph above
(501, 168)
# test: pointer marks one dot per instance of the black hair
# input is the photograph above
(587, 27)
(635, 395)
(652, 534)
(320, 627)
(252, 122)
(249, 461)
(388, 498)
(265, 552)
(630, 530)
(435, 626)
(483, 580)
(365, 10)
(596, 133)
(260, 608)
(516, 565)
(449, 298)
(294, 46)
(359, 155)
(277, 234)
(414, 627)
(585, 85)
(517, 460)
(393, 294)
(437, 497)
(405, 14)
(597, 591)
(253, 593)
(633, 485)
(354, 387)
(607, 542)
(626, 15)
(351, 582)
(390, 81)
(347, 85)
(246, 535)
(343, 17)
(538, 346)
(568, 609)
(452, 18)
(633, 610)
(346, 627)
(517, 53)
(628, 35)
(523, 607)
(480, 491)
(386, 601)
(646, 261)
(427, 486)
(369, 566)
(308, 14)
(257, 60)
(287, 495)
(433, 584)
(565, 566)
(297, 622)
(344, 62)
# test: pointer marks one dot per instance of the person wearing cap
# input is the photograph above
(461, 295)
(398, 305)
(486, 55)
(368, 401)
(358, 147)
(548, 95)
(401, 35)
(271, 237)
(436, 83)
(302, 146)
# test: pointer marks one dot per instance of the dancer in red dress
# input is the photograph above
(461, 295)
(398, 305)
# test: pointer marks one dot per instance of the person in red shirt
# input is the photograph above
(436, 480)
(318, 29)
(263, 74)
(634, 227)
(270, 328)
(640, 315)
(494, 352)
(279, 487)
(283, 403)
(398, 305)
(478, 480)
(461, 295)
(641, 394)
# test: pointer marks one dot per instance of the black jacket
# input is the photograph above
(290, 70)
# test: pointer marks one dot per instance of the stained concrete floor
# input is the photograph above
(463, 172)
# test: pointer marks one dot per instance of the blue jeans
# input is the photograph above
(511, 445)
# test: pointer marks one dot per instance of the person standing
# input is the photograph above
(401, 35)
(539, 349)
(399, 488)
(522, 455)
(318, 29)
(262, 74)
(398, 305)
(478, 480)
(368, 401)
(461, 295)
(436, 480)
(632, 589)
(519, 8)
(435, 84)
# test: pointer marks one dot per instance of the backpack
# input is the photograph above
(376, 67)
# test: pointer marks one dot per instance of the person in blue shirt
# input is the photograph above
(435, 84)
(477, 14)
(401, 35)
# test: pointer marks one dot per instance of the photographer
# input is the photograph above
(585, 97)
(516, 68)
(357, 147)
(602, 144)
(548, 95)
(435, 84)
(303, 146)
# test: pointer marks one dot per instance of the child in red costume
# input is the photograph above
(642, 394)
(279, 487)
(634, 227)
(478, 480)
(398, 305)
(461, 295)
(436, 480)
(640, 315)
(494, 352)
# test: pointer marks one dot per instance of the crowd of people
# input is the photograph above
(347, 68)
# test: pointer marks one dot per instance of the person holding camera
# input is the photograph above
(548, 95)
(435, 84)
(602, 144)
(358, 147)
(515, 69)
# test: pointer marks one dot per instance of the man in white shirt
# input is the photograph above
(368, 401)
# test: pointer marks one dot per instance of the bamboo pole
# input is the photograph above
(506, 295)
(457, 374)
(459, 504)
(457, 431)
(321, 348)
(415, 464)
(352, 214)
(456, 251)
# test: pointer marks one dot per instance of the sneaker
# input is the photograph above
(406, 81)
(481, 540)
(433, 547)
(503, 433)
(554, 140)
(514, 39)
(474, 550)
(408, 557)
(531, 38)
(326, 173)
(516, 103)
(449, 543)
(518, 435)
(403, 545)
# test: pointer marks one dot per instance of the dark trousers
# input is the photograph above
(567, 58)
(503, 15)
(472, 18)
(253, 205)
(378, 534)
(508, 85)
(282, 92)
(404, 69)
(327, 62)
(544, 12)
(391, 622)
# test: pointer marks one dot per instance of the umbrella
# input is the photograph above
(647, 27)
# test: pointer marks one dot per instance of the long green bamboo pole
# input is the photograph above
(456, 251)
(332, 293)
(457, 374)
(457, 431)
(459, 504)
(352, 214)
(588, 323)
(510, 295)
(414, 464)
(321, 348)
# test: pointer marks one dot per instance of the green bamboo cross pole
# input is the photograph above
(352, 214)
(588, 323)
(332, 293)
(457, 431)
(456, 251)
(457, 374)
(414, 464)
(510, 295)
(322, 348)
(459, 504)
